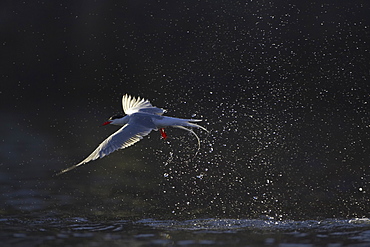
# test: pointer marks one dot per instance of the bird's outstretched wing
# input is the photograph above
(132, 105)
(124, 137)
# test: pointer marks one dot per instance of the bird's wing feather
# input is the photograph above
(132, 105)
(124, 137)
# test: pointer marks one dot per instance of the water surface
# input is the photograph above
(38, 230)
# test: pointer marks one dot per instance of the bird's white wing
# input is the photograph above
(124, 137)
(132, 105)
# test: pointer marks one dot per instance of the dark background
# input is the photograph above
(282, 86)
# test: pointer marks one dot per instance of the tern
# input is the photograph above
(141, 118)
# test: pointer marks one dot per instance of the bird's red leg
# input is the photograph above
(163, 134)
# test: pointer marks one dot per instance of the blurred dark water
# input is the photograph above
(80, 231)
(282, 87)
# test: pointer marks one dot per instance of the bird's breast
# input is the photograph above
(142, 119)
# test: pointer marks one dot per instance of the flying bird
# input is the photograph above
(140, 119)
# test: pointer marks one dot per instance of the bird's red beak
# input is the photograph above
(106, 123)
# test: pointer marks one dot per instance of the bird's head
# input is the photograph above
(117, 120)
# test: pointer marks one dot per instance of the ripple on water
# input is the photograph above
(236, 232)
(240, 224)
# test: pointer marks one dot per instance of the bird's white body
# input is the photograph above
(141, 118)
